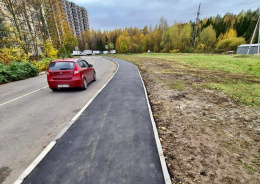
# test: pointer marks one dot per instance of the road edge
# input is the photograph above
(46, 150)
(166, 175)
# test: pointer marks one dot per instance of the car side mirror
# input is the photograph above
(90, 65)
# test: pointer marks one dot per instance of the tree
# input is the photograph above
(219, 25)
(145, 30)
(28, 15)
(163, 24)
(49, 50)
(37, 22)
(100, 45)
(252, 17)
(5, 33)
(185, 37)
(171, 39)
(208, 37)
(147, 43)
(123, 47)
(14, 7)
(156, 39)
(167, 40)
(123, 42)
(230, 33)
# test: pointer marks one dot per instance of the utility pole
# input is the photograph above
(257, 26)
(258, 35)
(195, 32)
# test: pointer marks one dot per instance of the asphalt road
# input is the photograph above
(112, 141)
(31, 115)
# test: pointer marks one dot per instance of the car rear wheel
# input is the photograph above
(54, 89)
(85, 85)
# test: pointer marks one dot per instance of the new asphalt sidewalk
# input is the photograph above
(112, 142)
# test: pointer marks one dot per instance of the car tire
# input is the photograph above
(54, 89)
(84, 85)
(94, 76)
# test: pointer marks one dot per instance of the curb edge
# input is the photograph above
(166, 175)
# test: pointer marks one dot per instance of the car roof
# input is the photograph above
(247, 45)
(67, 60)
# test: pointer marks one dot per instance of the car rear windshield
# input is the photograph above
(62, 66)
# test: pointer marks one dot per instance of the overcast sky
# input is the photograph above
(112, 14)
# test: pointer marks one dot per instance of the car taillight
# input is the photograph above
(76, 71)
(48, 74)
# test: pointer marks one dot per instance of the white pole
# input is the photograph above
(258, 37)
(253, 35)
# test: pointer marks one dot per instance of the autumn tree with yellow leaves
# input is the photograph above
(37, 23)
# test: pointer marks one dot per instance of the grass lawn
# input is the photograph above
(236, 75)
(229, 63)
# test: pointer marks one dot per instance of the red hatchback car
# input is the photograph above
(70, 73)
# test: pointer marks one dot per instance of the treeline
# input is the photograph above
(46, 32)
(215, 34)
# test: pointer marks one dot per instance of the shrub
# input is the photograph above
(49, 50)
(208, 37)
(5, 56)
(12, 54)
(41, 65)
(17, 71)
(174, 51)
(230, 43)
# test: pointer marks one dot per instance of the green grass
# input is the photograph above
(176, 84)
(248, 94)
(249, 169)
(238, 75)
(233, 63)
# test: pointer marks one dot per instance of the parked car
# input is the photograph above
(77, 53)
(96, 52)
(112, 51)
(87, 52)
(70, 73)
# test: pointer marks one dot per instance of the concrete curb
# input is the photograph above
(166, 175)
(30, 168)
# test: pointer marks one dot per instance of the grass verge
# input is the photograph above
(237, 76)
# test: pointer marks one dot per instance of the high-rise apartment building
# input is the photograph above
(77, 16)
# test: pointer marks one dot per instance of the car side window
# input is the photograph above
(86, 63)
(81, 63)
